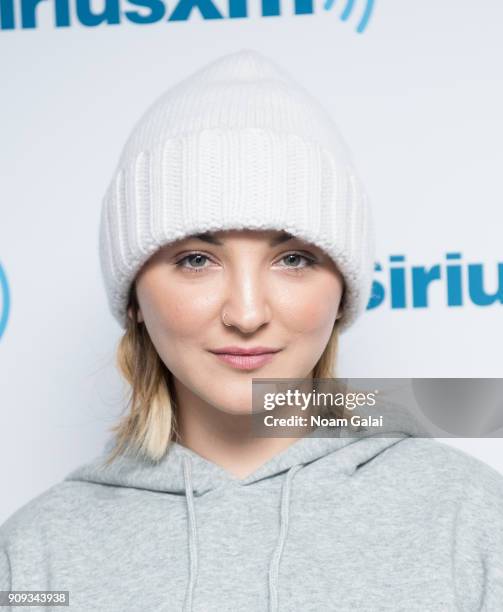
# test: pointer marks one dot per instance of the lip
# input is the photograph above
(245, 359)
(237, 350)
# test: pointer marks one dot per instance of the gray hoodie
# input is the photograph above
(329, 524)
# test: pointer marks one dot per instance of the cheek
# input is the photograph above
(174, 312)
(310, 307)
(184, 316)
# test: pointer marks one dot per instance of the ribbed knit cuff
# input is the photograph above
(249, 178)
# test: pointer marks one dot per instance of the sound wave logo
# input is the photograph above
(4, 301)
(348, 10)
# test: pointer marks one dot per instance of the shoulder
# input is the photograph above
(438, 454)
(49, 526)
(459, 496)
(48, 512)
(430, 461)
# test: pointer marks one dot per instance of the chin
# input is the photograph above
(236, 410)
(233, 399)
(234, 406)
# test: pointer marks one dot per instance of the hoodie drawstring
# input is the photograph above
(189, 496)
(276, 558)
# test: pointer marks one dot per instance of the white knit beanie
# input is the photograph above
(236, 145)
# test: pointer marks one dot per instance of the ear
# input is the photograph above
(130, 314)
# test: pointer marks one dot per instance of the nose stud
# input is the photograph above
(223, 320)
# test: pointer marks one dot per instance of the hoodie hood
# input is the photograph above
(184, 472)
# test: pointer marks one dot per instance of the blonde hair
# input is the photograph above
(150, 424)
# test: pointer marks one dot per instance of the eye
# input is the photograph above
(194, 262)
(198, 258)
(292, 258)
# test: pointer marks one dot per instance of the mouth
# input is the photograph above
(245, 359)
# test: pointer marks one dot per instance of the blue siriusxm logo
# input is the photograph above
(25, 14)
(453, 282)
(4, 301)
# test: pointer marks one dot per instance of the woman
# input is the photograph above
(236, 223)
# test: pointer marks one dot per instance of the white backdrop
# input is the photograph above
(418, 97)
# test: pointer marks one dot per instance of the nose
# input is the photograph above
(246, 304)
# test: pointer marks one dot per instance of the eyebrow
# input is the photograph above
(209, 237)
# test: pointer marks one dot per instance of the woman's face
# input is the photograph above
(276, 291)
